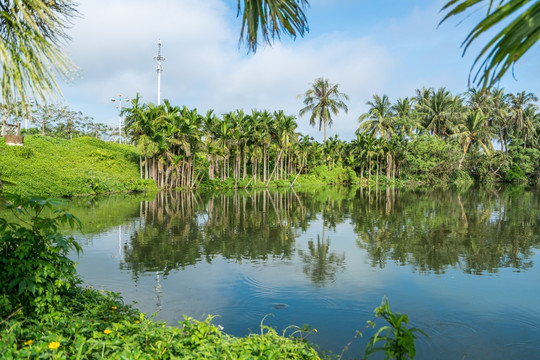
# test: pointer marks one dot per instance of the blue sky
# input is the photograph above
(368, 47)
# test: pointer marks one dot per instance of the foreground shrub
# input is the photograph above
(35, 272)
(100, 326)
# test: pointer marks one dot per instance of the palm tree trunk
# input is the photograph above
(275, 167)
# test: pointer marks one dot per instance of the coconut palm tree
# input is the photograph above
(379, 120)
(406, 122)
(474, 132)
(521, 30)
(323, 100)
(500, 116)
(518, 103)
(528, 130)
(438, 111)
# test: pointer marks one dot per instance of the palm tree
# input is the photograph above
(323, 100)
(406, 121)
(474, 132)
(521, 21)
(528, 131)
(30, 51)
(518, 103)
(379, 119)
(438, 110)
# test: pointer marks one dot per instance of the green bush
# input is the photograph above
(35, 272)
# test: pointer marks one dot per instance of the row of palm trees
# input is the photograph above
(179, 147)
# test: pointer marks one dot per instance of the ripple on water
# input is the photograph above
(276, 296)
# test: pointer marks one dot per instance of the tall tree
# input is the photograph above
(323, 100)
(474, 132)
(438, 110)
(379, 119)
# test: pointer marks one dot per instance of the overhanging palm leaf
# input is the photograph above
(273, 17)
(509, 44)
(31, 33)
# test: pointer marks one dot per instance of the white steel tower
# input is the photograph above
(159, 70)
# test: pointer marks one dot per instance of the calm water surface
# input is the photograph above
(463, 266)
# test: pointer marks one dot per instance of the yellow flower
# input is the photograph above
(114, 308)
(54, 345)
(136, 321)
(28, 342)
(107, 331)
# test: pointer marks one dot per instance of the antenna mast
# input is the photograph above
(159, 70)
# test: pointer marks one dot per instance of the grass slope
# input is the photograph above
(47, 166)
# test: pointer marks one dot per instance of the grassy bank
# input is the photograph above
(47, 166)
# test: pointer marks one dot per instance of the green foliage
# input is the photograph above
(397, 340)
(430, 159)
(35, 272)
(524, 162)
(520, 23)
(515, 175)
(48, 166)
(461, 178)
(94, 324)
(270, 19)
(322, 175)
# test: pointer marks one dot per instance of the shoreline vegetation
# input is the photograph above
(432, 139)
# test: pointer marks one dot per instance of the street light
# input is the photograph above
(28, 112)
(159, 70)
(119, 107)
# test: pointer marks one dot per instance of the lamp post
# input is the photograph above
(159, 70)
(119, 107)
(28, 112)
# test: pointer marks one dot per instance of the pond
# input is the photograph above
(462, 265)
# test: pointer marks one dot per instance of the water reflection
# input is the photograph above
(477, 232)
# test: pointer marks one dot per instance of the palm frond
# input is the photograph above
(509, 44)
(272, 18)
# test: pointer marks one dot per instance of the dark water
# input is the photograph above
(463, 266)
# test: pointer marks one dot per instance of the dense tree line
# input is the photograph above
(431, 136)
